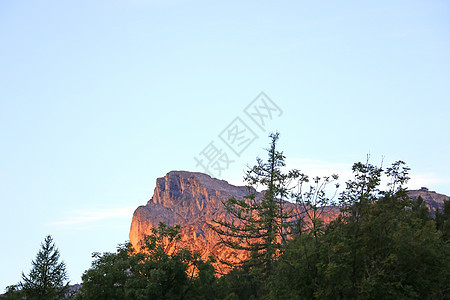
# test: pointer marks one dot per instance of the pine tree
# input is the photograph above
(259, 226)
(47, 277)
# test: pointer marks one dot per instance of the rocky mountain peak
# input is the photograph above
(183, 188)
(192, 200)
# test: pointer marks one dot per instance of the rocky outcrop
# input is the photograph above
(432, 199)
(192, 200)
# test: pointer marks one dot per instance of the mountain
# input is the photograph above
(192, 200)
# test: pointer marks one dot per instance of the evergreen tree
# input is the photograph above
(383, 246)
(48, 276)
(443, 220)
(259, 226)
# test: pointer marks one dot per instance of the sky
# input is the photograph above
(100, 98)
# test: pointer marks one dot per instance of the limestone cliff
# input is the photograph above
(191, 200)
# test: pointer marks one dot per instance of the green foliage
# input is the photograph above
(157, 272)
(13, 292)
(394, 256)
(384, 246)
(47, 278)
(259, 226)
(107, 278)
(443, 220)
(242, 283)
(314, 202)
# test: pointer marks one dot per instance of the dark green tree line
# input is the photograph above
(153, 273)
(382, 246)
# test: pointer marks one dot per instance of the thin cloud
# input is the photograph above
(81, 217)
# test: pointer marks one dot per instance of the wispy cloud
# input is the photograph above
(84, 216)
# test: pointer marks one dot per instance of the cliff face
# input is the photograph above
(432, 199)
(192, 200)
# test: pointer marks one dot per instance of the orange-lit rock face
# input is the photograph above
(193, 200)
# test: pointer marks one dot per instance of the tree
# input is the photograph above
(162, 273)
(355, 201)
(383, 246)
(314, 202)
(13, 292)
(48, 276)
(158, 271)
(296, 269)
(107, 277)
(260, 226)
(443, 220)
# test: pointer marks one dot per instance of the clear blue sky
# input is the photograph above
(99, 98)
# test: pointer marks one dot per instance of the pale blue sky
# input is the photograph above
(99, 98)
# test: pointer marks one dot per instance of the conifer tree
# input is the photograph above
(259, 226)
(48, 276)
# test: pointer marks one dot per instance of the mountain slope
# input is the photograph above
(193, 200)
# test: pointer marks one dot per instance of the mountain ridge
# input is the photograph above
(193, 200)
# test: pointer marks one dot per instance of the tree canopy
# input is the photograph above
(47, 278)
(152, 273)
(259, 224)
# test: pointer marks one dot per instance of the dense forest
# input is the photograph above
(382, 245)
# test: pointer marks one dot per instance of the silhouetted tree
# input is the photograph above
(48, 277)
(259, 225)
(383, 246)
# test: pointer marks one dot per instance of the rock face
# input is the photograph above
(191, 200)
(432, 199)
